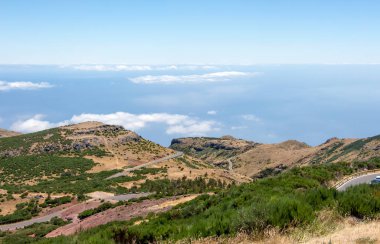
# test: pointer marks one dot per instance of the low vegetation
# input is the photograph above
(31, 233)
(23, 211)
(49, 202)
(103, 207)
(288, 200)
(33, 168)
(166, 187)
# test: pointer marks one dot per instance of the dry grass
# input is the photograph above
(352, 232)
(328, 228)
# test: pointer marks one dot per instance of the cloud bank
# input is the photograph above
(23, 85)
(33, 124)
(124, 67)
(175, 79)
(174, 123)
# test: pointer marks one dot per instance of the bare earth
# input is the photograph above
(120, 213)
(7, 133)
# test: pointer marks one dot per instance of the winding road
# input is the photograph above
(363, 179)
(125, 172)
(48, 217)
(25, 223)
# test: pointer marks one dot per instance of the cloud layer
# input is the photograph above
(175, 79)
(175, 123)
(23, 85)
(124, 67)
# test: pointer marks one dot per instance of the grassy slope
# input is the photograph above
(291, 199)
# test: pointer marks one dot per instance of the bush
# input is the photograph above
(24, 211)
(101, 208)
(362, 201)
(57, 201)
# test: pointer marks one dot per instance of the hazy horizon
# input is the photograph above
(263, 103)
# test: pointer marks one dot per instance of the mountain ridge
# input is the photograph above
(250, 158)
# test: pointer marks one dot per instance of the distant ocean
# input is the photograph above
(264, 103)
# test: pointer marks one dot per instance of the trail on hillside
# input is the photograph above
(126, 171)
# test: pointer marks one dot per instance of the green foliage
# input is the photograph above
(355, 146)
(151, 171)
(56, 201)
(291, 199)
(31, 233)
(23, 143)
(189, 163)
(94, 151)
(362, 201)
(101, 208)
(18, 170)
(23, 211)
(166, 187)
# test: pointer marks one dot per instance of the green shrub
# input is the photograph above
(57, 201)
(362, 201)
(24, 211)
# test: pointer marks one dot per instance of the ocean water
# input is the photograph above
(269, 103)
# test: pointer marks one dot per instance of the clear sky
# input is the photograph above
(183, 32)
(262, 70)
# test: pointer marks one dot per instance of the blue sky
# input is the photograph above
(183, 32)
(266, 71)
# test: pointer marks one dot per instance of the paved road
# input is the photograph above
(48, 217)
(23, 224)
(125, 172)
(364, 179)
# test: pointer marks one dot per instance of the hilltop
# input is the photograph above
(77, 160)
(7, 133)
(68, 172)
(256, 159)
(212, 150)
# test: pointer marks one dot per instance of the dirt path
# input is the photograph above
(69, 212)
(121, 213)
(126, 171)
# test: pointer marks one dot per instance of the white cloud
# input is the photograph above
(175, 123)
(120, 67)
(23, 85)
(211, 112)
(193, 128)
(174, 79)
(125, 67)
(35, 123)
(251, 117)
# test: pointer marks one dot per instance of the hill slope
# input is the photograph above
(255, 159)
(7, 133)
(79, 158)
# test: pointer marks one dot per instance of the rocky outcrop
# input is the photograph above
(212, 150)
